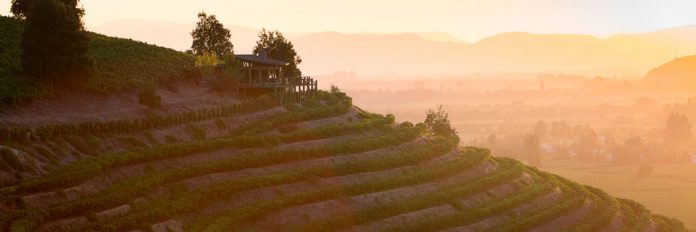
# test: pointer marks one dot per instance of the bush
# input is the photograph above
(82, 146)
(150, 139)
(11, 158)
(406, 125)
(390, 118)
(438, 121)
(220, 123)
(148, 97)
(43, 151)
(195, 131)
(171, 139)
(132, 142)
(287, 127)
(93, 141)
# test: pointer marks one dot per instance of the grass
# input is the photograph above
(10, 50)
(233, 218)
(196, 132)
(122, 64)
(676, 179)
(183, 201)
(132, 142)
(126, 189)
(12, 89)
(83, 146)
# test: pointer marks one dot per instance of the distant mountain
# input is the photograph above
(177, 35)
(438, 37)
(679, 74)
(514, 52)
(437, 53)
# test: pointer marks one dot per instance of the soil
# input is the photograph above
(76, 106)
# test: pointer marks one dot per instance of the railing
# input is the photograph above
(292, 84)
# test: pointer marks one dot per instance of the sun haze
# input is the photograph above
(469, 20)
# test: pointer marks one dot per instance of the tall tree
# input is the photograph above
(630, 152)
(21, 7)
(438, 121)
(276, 46)
(677, 130)
(210, 36)
(540, 130)
(532, 150)
(54, 42)
(587, 143)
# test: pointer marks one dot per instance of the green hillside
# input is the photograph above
(11, 89)
(319, 165)
(120, 64)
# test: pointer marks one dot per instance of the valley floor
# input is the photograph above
(677, 181)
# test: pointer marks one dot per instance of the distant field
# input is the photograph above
(670, 190)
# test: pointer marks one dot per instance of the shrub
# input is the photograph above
(390, 118)
(61, 192)
(406, 125)
(11, 158)
(93, 141)
(57, 150)
(81, 145)
(287, 127)
(220, 123)
(312, 102)
(195, 131)
(148, 97)
(150, 139)
(132, 142)
(43, 151)
(91, 216)
(171, 139)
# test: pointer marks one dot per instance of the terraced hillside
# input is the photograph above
(258, 166)
(120, 64)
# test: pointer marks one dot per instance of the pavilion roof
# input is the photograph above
(259, 59)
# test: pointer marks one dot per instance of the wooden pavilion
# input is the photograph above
(261, 74)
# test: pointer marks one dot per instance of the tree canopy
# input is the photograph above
(21, 7)
(438, 121)
(276, 46)
(210, 36)
(54, 42)
(677, 130)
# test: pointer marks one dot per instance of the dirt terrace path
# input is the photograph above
(72, 107)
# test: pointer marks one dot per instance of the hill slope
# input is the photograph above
(119, 63)
(255, 165)
(676, 75)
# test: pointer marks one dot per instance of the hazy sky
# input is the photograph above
(468, 19)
